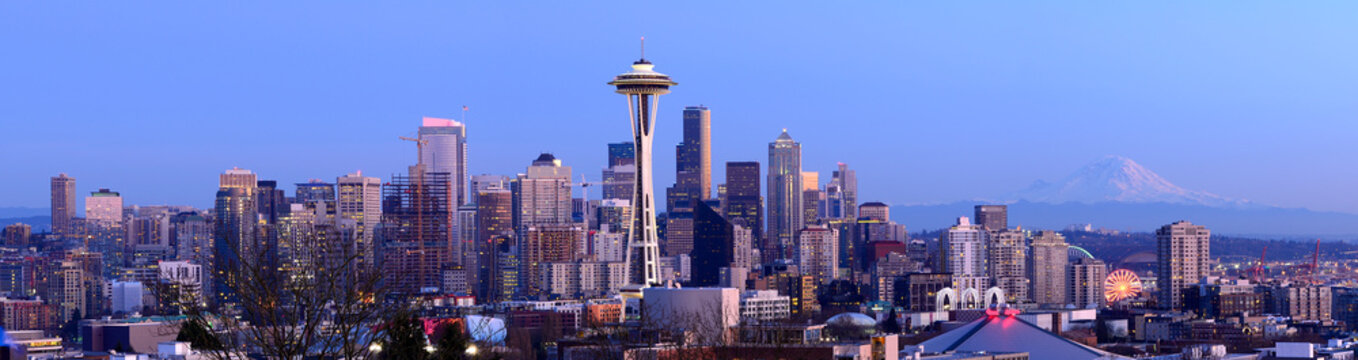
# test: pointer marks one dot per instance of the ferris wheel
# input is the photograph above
(1121, 284)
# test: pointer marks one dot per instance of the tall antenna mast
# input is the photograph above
(643, 48)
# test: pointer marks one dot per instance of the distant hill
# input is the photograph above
(39, 223)
(1255, 222)
(1115, 192)
(1113, 248)
(15, 212)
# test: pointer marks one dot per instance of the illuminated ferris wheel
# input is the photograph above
(1121, 284)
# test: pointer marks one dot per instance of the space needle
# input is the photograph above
(643, 87)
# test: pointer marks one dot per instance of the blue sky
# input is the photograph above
(929, 101)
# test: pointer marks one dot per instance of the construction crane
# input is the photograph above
(419, 202)
(584, 189)
(1257, 271)
(1315, 263)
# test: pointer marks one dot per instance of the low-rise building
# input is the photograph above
(764, 305)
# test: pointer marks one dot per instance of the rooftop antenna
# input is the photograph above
(643, 48)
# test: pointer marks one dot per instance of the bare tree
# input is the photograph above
(313, 296)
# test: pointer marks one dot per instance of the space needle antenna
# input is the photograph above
(643, 48)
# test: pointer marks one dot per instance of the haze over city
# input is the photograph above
(851, 181)
(932, 103)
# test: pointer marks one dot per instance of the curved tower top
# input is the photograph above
(643, 80)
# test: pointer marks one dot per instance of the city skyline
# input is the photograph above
(181, 116)
(387, 189)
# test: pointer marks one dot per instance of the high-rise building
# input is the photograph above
(964, 250)
(16, 235)
(63, 203)
(784, 193)
(487, 181)
(1182, 251)
(1008, 263)
(992, 217)
(618, 181)
(417, 227)
(841, 194)
(360, 201)
(541, 245)
(918, 292)
(543, 194)
(743, 254)
(1303, 302)
(445, 151)
(315, 190)
(494, 228)
(874, 211)
(271, 202)
(811, 197)
(742, 203)
(623, 153)
(104, 207)
(238, 178)
(1084, 282)
(234, 235)
(643, 87)
(693, 163)
(818, 253)
(679, 232)
(713, 246)
(1047, 268)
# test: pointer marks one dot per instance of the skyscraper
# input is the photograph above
(875, 211)
(271, 202)
(693, 160)
(445, 151)
(618, 181)
(1084, 282)
(811, 197)
(543, 194)
(1182, 251)
(417, 218)
(315, 190)
(964, 248)
(742, 202)
(1008, 263)
(643, 87)
(104, 207)
(494, 227)
(623, 153)
(360, 201)
(1047, 268)
(63, 203)
(544, 244)
(785, 193)
(713, 246)
(841, 194)
(818, 253)
(992, 217)
(234, 236)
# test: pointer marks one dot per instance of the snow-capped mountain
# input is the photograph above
(1118, 179)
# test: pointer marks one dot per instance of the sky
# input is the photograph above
(929, 101)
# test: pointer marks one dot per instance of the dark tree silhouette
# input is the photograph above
(891, 325)
(404, 339)
(452, 342)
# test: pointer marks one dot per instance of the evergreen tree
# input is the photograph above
(452, 342)
(197, 335)
(891, 325)
(405, 339)
(71, 330)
